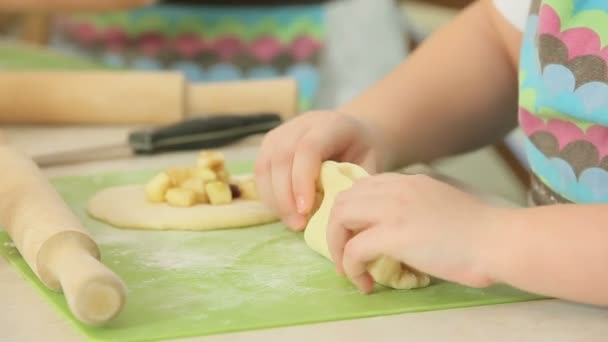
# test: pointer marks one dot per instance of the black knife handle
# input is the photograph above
(202, 133)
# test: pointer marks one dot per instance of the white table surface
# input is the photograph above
(26, 317)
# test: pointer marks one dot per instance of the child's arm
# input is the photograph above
(458, 91)
(559, 251)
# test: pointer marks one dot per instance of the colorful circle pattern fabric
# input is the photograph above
(206, 43)
(564, 97)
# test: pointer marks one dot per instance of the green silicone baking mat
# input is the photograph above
(183, 284)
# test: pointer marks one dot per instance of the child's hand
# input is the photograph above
(417, 220)
(291, 156)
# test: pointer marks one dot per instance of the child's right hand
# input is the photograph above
(291, 155)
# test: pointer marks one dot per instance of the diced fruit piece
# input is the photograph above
(236, 192)
(178, 197)
(178, 175)
(157, 187)
(219, 193)
(211, 159)
(198, 186)
(204, 173)
(248, 189)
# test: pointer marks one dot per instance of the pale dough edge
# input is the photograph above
(126, 207)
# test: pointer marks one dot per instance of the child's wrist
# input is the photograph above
(500, 231)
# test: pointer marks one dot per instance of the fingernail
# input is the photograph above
(365, 283)
(364, 290)
(301, 205)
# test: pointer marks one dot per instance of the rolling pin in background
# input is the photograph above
(53, 243)
(133, 97)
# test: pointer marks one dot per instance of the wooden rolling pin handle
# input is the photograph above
(53, 242)
(91, 97)
(278, 96)
(134, 97)
(69, 262)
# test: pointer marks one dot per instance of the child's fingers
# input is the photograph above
(263, 179)
(307, 162)
(362, 249)
(282, 188)
(274, 169)
(315, 147)
(283, 146)
(337, 237)
(263, 182)
(350, 215)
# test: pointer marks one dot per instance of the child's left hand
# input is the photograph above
(422, 222)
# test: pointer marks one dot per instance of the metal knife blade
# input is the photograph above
(105, 152)
(196, 133)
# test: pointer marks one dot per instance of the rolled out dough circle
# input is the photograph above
(127, 207)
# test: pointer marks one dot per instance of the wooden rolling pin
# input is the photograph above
(60, 97)
(53, 243)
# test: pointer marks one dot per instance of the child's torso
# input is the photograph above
(563, 106)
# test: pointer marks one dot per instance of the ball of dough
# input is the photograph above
(335, 178)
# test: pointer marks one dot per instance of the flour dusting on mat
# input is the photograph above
(182, 284)
(218, 270)
(264, 263)
(221, 270)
